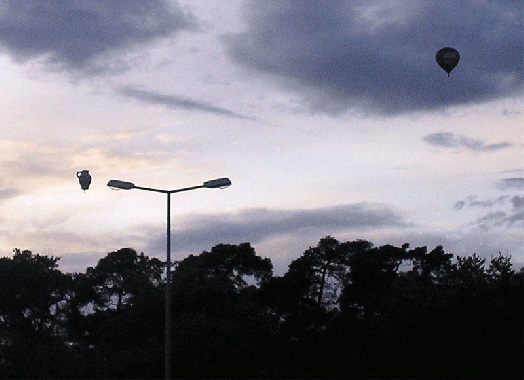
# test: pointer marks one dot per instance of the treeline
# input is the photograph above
(342, 310)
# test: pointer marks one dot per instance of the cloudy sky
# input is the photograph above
(330, 118)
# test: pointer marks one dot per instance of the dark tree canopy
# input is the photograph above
(124, 274)
(29, 286)
(221, 273)
(32, 292)
(343, 309)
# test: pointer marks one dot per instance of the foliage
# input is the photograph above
(32, 290)
(124, 274)
(343, 309)
(217, 316)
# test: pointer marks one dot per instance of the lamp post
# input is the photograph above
(212, 184)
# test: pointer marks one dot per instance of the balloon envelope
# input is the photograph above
(84, 178)
(448, 58)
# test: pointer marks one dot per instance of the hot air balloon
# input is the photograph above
(448, 58)
(84, 178)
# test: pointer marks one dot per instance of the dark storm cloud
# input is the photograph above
(74, 32)
(500, 216)
(174, 101)
(256, 225)
(511, 183)
(473, 201)
(459, 205)
(516, 217)
(450, 140)
(501, 219)
(517, 201)
(379, 56)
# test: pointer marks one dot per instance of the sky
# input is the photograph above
(330, 117)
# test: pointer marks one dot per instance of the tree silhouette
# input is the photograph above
(124, 274)
(129, 335)
(323, 269)
(32, 292)
(220, 328)
(31, 289)
(341, 310)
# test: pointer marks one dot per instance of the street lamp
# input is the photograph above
(219, 183)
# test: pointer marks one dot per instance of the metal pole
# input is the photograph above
(220, 182)
(168, 293)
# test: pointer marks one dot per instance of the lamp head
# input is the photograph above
(117, 184)
(218, 183)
